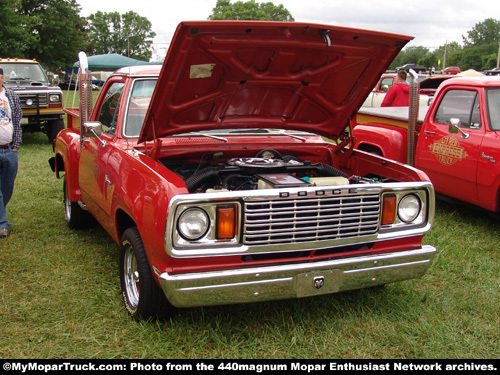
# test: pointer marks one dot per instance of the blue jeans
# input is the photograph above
(8, 171)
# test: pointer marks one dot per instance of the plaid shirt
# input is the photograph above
(17, 114)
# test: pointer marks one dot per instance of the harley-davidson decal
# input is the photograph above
(448, 150)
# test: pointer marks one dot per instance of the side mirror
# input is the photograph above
(93, 129)
(55, 80)
(454, 127)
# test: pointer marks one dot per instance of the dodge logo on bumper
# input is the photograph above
(318, 282)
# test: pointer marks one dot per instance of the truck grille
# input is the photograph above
(41, 99)
(310, 219)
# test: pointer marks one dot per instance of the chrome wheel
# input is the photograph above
(75, 216)
(67, 207)
(142, 296)
(131, 277)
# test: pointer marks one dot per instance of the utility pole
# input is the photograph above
(498, 59)
(444, 58)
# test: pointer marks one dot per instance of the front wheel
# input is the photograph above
(142, 296)
(75, 216)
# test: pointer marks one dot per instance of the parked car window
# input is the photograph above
(109, 109)
(138, 106)
(493, 103)
(386, 83)
(461, 104)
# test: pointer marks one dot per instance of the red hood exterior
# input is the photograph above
(260, 74)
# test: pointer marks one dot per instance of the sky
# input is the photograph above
(431, 23)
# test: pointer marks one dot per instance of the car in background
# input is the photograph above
(407, 67)
(41, 101)
(429, 84)
(451, 70)
(493, 72)
(376, 97)
(97, 82)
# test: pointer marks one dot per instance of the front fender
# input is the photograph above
(142, 189)
(67, 156)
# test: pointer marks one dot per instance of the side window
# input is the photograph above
(475, 118)
(386, 83)
(461, 104)
(142, 91)
(109, 110)
(493, 100)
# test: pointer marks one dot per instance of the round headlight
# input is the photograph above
(29, 101)
(409, 208)
(193, 224)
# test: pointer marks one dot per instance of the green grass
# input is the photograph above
(60, 296)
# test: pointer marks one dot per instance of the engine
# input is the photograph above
(262, 173)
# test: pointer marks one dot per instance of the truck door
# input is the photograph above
(95, 155)
(488, 175)
(451, 160)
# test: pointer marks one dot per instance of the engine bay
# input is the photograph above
(266, 170)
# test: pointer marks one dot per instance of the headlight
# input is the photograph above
(409, 208)
(54, 98)
(193, 224)
(29, 102)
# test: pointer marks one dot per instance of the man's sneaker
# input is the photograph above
(3, 232)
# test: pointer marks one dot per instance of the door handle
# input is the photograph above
(429, 132)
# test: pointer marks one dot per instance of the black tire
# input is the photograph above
(142, 296)
(75, 216)
(53, 128)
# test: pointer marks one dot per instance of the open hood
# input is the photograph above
(261, 74)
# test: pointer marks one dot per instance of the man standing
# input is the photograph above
(10, 140)
(398, 94)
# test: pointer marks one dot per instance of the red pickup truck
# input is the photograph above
(214, 176)
(455, 141)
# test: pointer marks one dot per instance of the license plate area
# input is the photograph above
(315, 283)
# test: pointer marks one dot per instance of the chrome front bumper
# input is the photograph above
(294, 280)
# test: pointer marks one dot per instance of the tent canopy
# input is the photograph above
(110, 61)
(470, 73)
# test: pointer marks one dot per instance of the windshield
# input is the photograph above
(24, 72)
(493, 101)
(138, 106)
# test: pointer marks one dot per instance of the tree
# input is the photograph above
(410, 55)
(448, 54)
(13, 32)
(50, 31)
(480, 57)
(128, 34)
(486, 32)
(249, 10)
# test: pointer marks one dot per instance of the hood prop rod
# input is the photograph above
(326, 35)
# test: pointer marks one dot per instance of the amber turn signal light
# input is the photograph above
(389, 209)
(226, 222)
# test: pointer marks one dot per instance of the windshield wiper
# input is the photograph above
(203, 135)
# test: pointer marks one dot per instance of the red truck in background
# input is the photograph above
(456, 140)
(213, 175)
